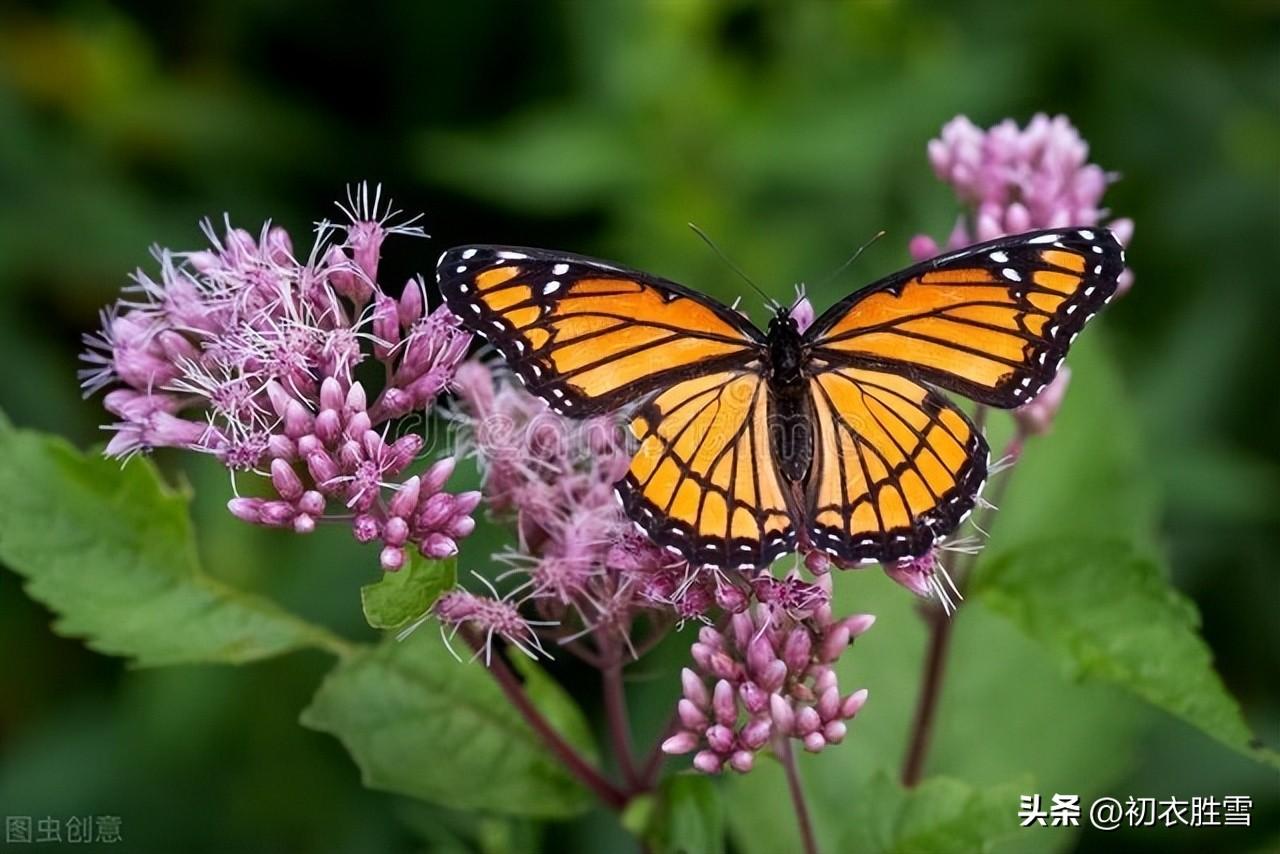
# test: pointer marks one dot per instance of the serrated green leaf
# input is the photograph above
(1110, 615)
(687, 817)
(109, 548)
(421, 723)
(940, 815)
(553, 701)
(398, 598)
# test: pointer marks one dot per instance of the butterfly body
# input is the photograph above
(752, 444)
(790, 421)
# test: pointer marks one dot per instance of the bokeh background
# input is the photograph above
(791, 133)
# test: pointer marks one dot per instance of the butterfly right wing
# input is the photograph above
(584, 335)
(704, 482)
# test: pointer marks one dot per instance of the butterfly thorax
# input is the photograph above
(790, 430)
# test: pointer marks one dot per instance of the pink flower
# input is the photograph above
(769, 675)
(1015, 179)
(248, 353)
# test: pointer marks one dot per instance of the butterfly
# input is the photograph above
(752, 444)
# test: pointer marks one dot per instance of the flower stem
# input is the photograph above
(935, 665)
(615, 709)
(941, 625)
(511, 686)
(788, 757)
(653, 765)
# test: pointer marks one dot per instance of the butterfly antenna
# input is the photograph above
(773, 303)
(851, 259)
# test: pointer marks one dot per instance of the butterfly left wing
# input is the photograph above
(704, 482)
(991, 322)
(586, 336)
(895, 466)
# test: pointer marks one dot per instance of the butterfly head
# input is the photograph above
(784, 341)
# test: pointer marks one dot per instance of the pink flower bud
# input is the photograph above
(403, 451)
(807, 720)
(828, 703)
(834, 732)
(245, 509)
(756, 734)
(323, 471)
(742, 761)
(720, 738)
(311, 503)
(297, 420)
(365, 528)
(356, 400)
(328, 427)
(405, 500)
(286, 480)
(754, 698)
(853, 703)
(694, 689)
(723, 703)
(691, 715)
(276, 513)
(438, 546)
(796, 652)
(681, 742)
(386, 325)
(460, 527)
(392, 558)
(774, 675)
(395, 531)
(435, 477)
(411, 303)
(708, 762)
(814, 742)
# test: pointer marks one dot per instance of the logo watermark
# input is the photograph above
(1108, 813)
(84, 829)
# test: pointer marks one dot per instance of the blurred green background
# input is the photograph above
(791, 133)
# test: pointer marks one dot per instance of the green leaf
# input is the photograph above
(553, 701)
(420, 722)
(687, 817)
(940, 814)
(1111, 616)
(398, 598)
(110, 549)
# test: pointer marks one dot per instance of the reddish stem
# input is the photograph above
(511, 686)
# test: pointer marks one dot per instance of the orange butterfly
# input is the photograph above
(753, 443)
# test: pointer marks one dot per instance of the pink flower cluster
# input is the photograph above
(768, 676)
(1015, 179)
(248, 353)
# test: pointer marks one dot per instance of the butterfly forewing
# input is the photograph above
(586, 336)
(992, 322)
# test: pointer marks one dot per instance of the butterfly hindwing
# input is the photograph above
(586, 336)
(895, 465)
(991, 322)
(703, 481)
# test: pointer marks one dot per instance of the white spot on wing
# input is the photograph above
(560, 269)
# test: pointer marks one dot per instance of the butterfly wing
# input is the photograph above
(991, 322)
(584, 335)
(895, 465)
(703, 481)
